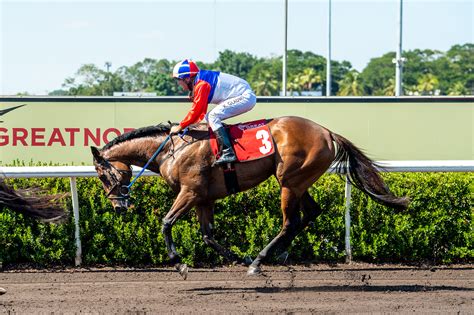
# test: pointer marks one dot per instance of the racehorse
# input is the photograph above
(304, 151)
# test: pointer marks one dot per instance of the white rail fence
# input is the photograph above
(88, 171)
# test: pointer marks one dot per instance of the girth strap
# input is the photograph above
(230, 178)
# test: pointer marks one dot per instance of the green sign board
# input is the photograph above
(60, 130)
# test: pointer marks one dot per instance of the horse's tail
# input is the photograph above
(363, 174)
(33, 203)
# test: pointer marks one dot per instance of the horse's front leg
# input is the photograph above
(183, 203)
(205, 214)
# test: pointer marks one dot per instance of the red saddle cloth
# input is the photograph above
(251, 140)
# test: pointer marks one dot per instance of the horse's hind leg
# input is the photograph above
(205, 214)
(291, 226)
(311, 210)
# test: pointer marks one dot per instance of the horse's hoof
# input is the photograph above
(183, 270)
(247, 261)
(254, 271)
(281, 259)
(2, 291)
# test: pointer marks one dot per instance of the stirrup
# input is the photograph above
(224, 159)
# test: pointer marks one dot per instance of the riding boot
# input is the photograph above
(227, 154)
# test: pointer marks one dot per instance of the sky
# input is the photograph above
(44, 42)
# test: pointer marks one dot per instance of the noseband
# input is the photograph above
(124, 190)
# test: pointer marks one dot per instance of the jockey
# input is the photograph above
(232, 95)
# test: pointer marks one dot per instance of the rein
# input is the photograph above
(147, 163)
(126, 188)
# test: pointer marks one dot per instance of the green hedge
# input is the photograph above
(437, 227)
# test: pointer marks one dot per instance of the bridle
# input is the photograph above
(124, 190)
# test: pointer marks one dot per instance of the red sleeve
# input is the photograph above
(199, 108)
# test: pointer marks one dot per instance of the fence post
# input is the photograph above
(347, 217)
(75, 207)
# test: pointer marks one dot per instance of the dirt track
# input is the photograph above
(355, 288)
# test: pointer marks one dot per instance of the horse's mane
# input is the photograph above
(138, 133)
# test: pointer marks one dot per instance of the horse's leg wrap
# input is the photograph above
(183, 203)
(224, 252)
(279, 243)
(291, 227)
(311, 210)
(172, 253)
(206, 218)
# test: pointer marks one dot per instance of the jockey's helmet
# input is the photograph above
(185, 69)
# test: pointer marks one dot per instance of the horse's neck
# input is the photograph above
(136, 151)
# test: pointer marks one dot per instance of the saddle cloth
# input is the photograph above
(251, 140)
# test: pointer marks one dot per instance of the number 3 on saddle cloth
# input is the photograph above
(251, 141)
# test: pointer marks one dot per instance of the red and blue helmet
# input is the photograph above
(185, 69)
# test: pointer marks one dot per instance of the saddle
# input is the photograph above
(251, 140)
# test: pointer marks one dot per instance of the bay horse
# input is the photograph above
(304, 151)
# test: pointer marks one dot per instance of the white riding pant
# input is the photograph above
(230, 108)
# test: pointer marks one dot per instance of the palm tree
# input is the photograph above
(294, 86)
(267, 85)
(351, 84)
(308, 78)
(389, 90)
(427, 84)
(457, 89)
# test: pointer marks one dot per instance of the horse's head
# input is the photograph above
(115, 177)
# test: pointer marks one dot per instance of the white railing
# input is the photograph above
(88, 171)
(62, 171)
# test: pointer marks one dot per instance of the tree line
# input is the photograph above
(425, 72)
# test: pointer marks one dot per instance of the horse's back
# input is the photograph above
(300, 134)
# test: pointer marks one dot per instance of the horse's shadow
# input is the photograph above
(329, 288)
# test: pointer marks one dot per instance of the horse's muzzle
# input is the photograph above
(122, 205)
(120, 209)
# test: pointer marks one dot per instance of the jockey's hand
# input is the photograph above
(176, 129)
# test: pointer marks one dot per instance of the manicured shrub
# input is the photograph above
(437, 227)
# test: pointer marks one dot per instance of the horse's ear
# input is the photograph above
(96, 154)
